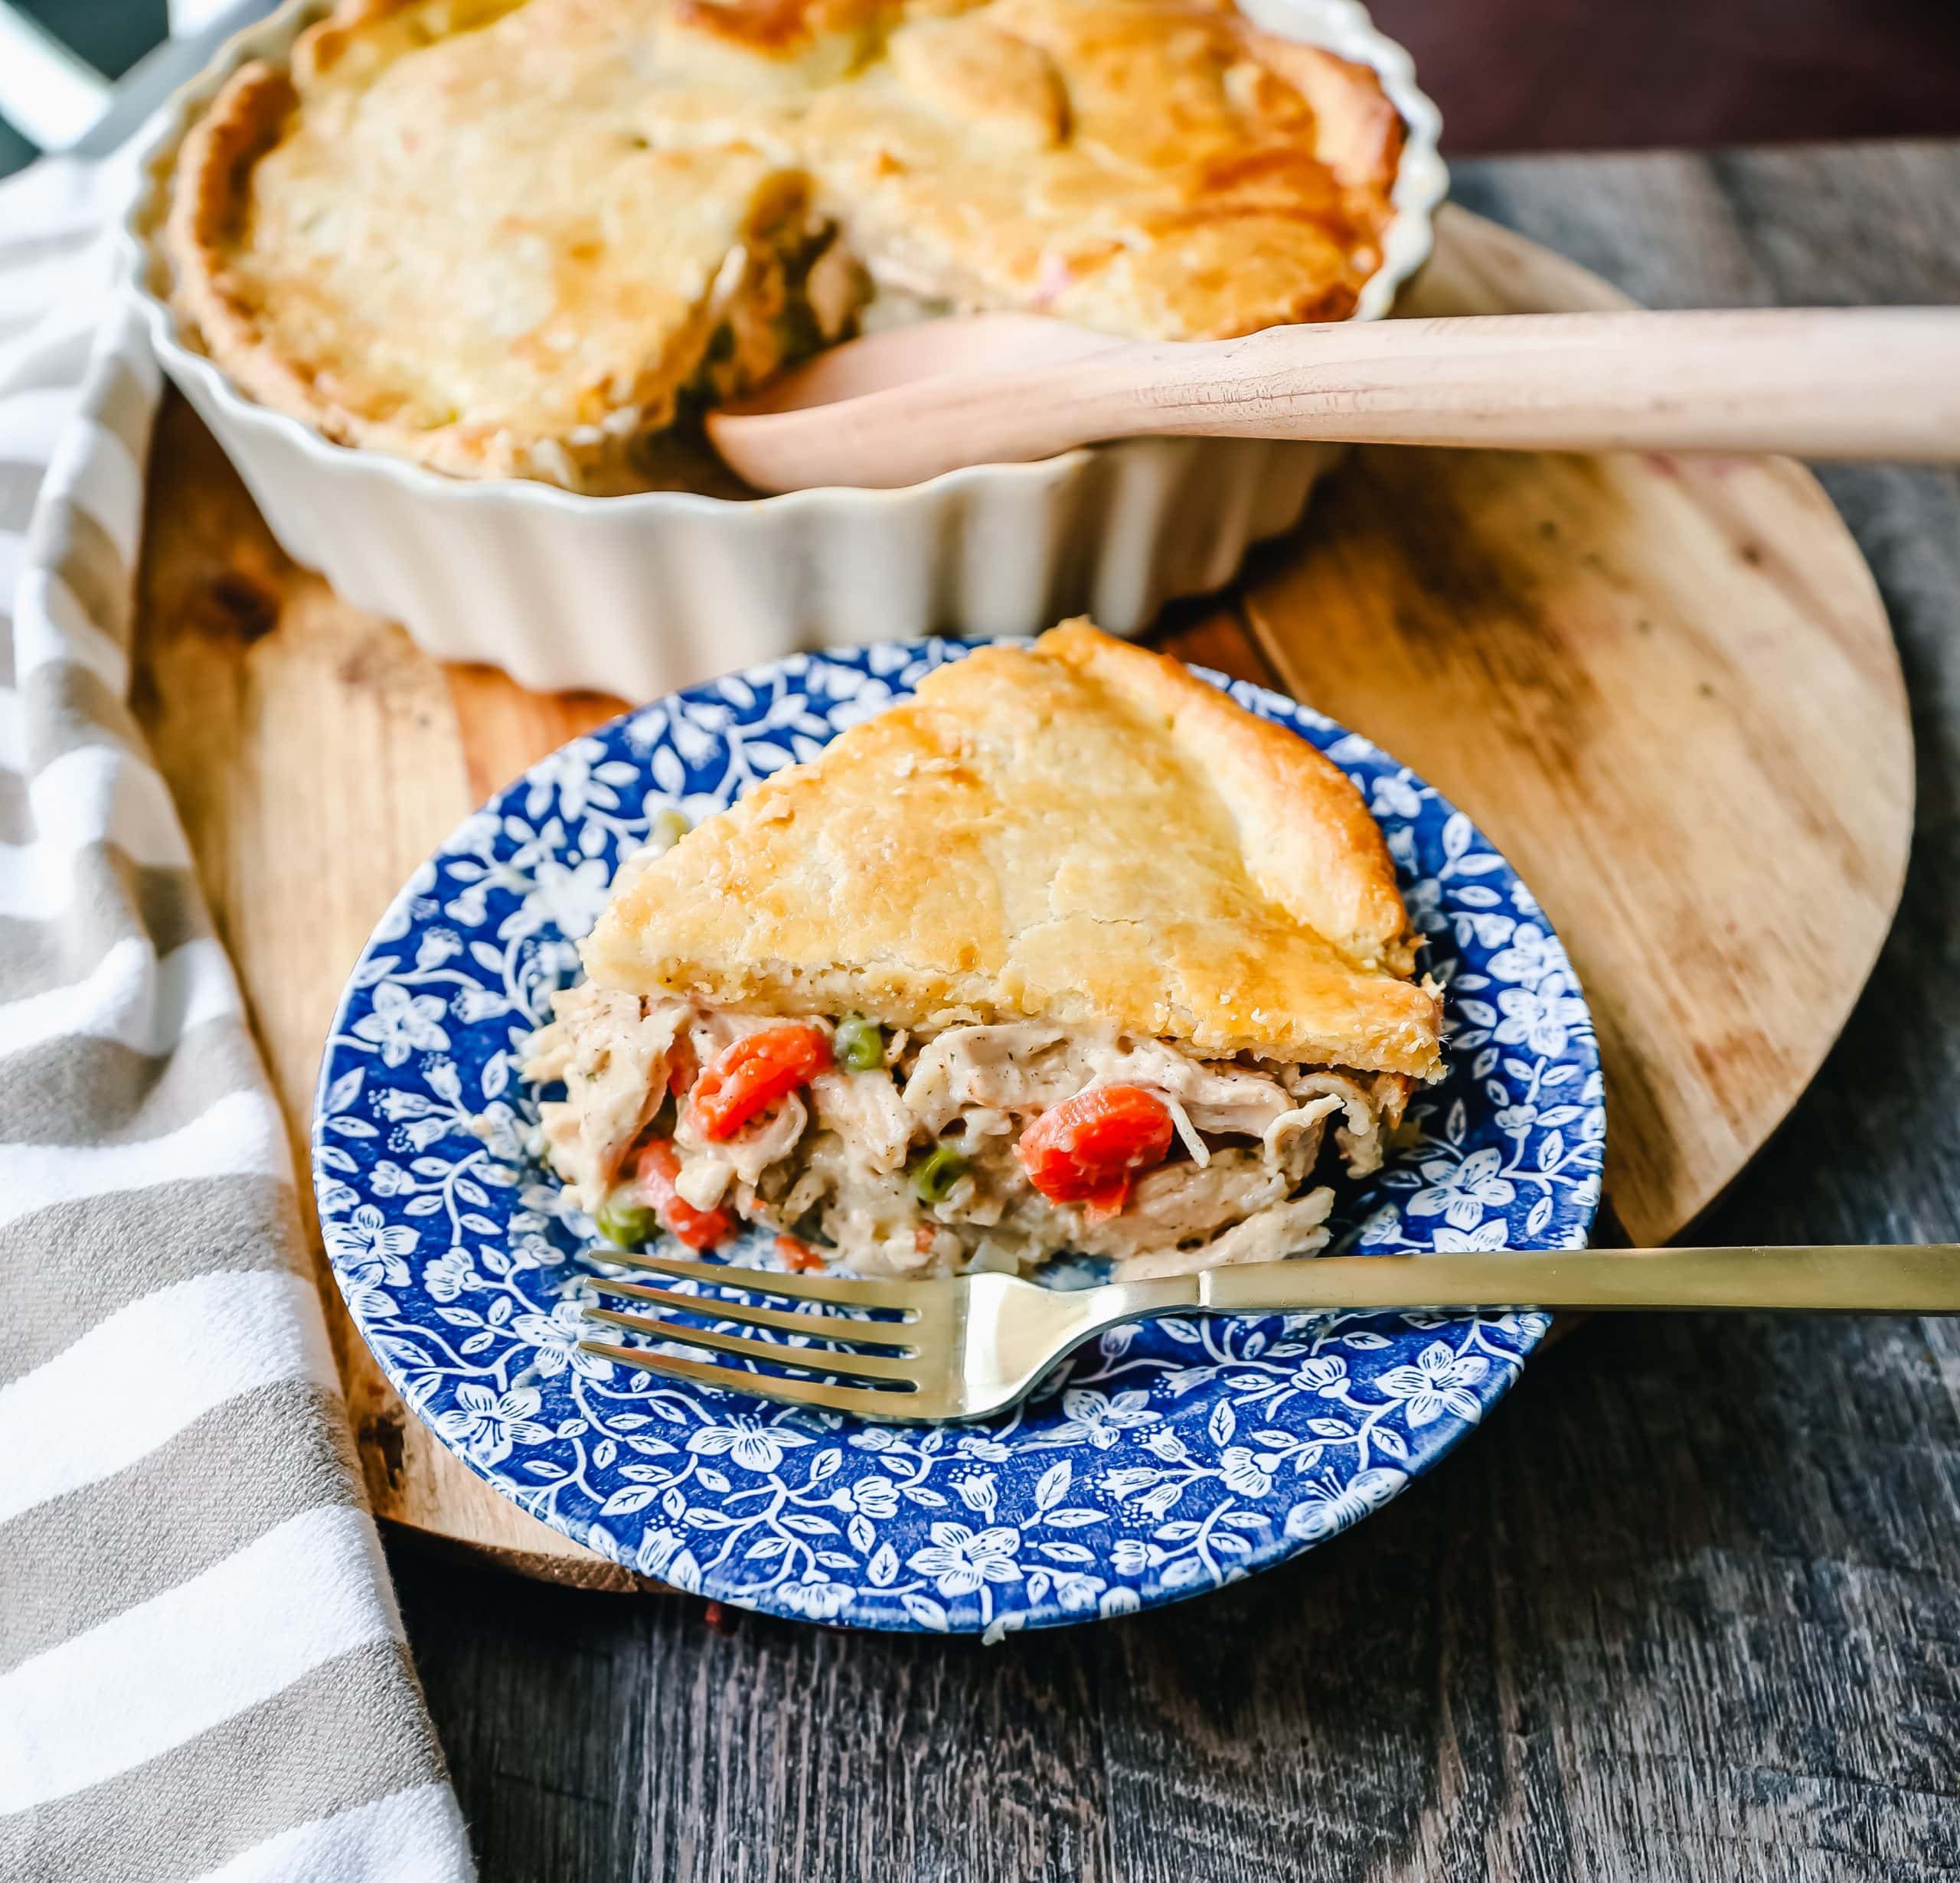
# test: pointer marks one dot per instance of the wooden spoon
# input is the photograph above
(899, 407)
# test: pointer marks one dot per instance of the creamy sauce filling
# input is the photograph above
(836, 1161)
(784, 294)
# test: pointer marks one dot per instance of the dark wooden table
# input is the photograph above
(1688, 1606)
(1516, 75)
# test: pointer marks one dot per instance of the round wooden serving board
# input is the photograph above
(1667, 690)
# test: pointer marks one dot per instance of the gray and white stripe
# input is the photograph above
(202, 1671)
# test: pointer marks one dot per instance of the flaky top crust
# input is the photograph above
(478, 233)
(1080, 832)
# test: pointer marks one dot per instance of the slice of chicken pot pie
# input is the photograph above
(1068, 952)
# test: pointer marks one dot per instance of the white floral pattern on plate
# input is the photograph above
(1168, 1459)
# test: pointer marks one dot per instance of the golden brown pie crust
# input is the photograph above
(1081, 832)
(487, 234)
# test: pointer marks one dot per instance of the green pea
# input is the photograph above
(936, 1173)
(860, 1044)
(619, 1219)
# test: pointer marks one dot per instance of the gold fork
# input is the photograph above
(970, 1347)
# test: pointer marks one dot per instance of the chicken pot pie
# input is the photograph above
(1068, 952)
(532, 238)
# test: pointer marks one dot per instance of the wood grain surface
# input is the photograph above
(1666, 688)
(1689, 1607)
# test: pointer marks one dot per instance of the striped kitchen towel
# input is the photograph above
(202, 1671)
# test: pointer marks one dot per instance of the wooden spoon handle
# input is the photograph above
(1819, 382)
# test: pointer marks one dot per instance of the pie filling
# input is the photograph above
(784, 293)
(970, 1147)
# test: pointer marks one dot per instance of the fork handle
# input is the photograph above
(1904, 1278)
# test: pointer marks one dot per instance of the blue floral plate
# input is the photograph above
(1170, 1459)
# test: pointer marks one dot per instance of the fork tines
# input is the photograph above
(832, 1291)
(873, 1379)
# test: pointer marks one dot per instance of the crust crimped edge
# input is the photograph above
(243, 120)
(240, 121)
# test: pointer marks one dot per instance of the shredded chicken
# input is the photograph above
(1026, 1067)
(611, 1050)
(1288, 1228)
(707, 1170)
(834, 1160)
